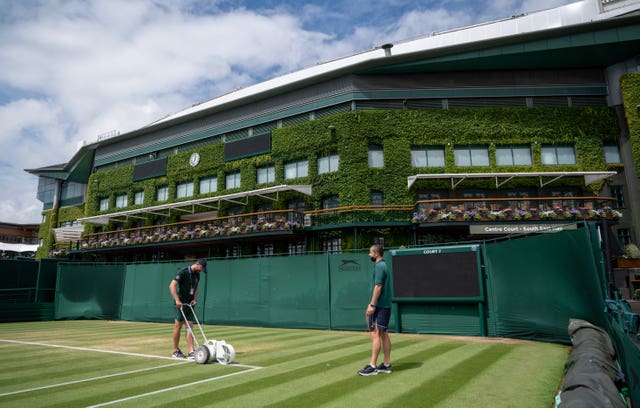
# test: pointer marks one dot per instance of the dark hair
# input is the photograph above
(379, 249)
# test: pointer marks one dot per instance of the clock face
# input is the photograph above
(194, 159)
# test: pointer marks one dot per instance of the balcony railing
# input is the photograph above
(270, 221)
(511, 209)
(441, 210)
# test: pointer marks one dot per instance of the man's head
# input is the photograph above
(376, 252)
(200, 265)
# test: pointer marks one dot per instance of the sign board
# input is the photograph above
(510, 228)
(437, 272)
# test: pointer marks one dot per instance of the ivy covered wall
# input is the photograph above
(587, 128)
(630, 87)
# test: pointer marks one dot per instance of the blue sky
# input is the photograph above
(72, 70)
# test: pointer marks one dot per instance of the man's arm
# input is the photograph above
(371, 307)
(174, 293)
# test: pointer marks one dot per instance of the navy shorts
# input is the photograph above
(380, 318)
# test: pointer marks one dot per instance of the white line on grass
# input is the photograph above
(110, 352)
(87, 380)
(174, 388)
(86, 349)
(250, 368)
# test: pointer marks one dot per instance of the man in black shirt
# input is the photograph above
(184, 290)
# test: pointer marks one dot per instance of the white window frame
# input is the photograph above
(328, 164)
(513, 155)
(232, 180)
(121, 201)
(162, 193)
(184, 190)
(427, 156)
(104, 204)
(138, 198)
(552, 155)
(266, 175)
(208, 185)
(376, 157)
(467, 156)
(611, 153)
(296, 169)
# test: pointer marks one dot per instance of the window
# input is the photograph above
(266, 174)
(518, 201)
(513, 156)
(470, 155)
(611, 153)
(552, 155)
(121, 201)
(376, 156)
(330, 202)
(295, 205)
(72, 190)
(377, 198)
(233, 180)
(470, 195)
(332, 245)
(328, 164)
(264, 250)
(208, 185)
(618, 193)
(46, 189)
(162, 194)
(427, 156)
(623, 236)
(138, 197)
(296, 248)
(104, 204)
(184, 190)
(296, 169)
(431, 195)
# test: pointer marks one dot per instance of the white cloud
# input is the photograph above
(73, 69)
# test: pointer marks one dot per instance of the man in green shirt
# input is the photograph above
(378, 314)
(184, 290)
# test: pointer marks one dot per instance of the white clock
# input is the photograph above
(194, 159)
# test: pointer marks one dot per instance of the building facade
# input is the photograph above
(527, 124)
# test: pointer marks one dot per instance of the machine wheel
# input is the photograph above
(225, 354)
(202, 355)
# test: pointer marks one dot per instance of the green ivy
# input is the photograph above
(396, 131)
(630, 86)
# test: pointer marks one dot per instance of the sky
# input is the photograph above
(73, 70)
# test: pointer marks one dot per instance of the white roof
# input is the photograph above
(456, 178)
(572, 14)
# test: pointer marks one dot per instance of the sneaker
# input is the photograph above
(382, 368)
(368, 370)
(191, 355)
(178, 354)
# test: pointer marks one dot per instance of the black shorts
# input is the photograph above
(380, 318)
(187, 312)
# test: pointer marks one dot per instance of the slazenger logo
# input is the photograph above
(349, 265)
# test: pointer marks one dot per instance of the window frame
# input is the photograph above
(300, 167)
(415, 150)
(375, 154)
(470, 149)
(547, 149)
(183, 189)
(332, 163)
(211, 182)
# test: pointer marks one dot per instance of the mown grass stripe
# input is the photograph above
(229, 392)
(111, 389)
(84, 380)
(435, 390)
(353, 384)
